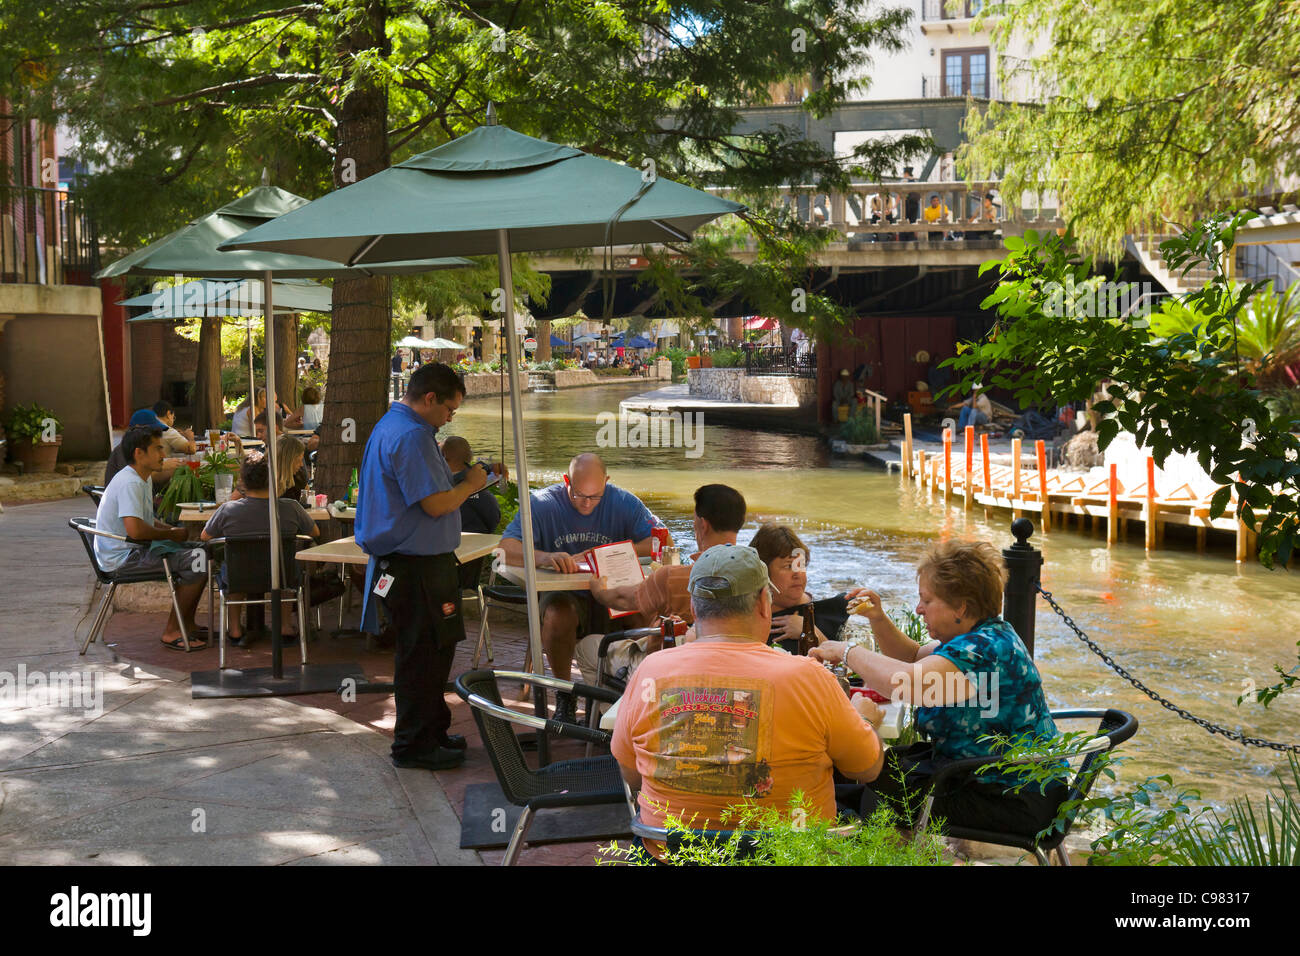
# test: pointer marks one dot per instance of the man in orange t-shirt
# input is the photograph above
(719, 515)
(726, 719)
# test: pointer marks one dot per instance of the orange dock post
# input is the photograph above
(1112, 508)
(1150, 509)
(947, 464)
(907, 445)
(1041, 448)
(1015, 481)
(969, 439)
(984, 457)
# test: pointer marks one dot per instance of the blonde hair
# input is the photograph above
(288, 450)
(969, 573)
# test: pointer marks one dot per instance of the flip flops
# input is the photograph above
(178, 644)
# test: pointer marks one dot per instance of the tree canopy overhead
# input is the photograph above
(178, 105)
(1146, 110)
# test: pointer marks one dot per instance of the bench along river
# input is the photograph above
(1192, 627)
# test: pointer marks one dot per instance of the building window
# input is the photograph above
(944, 10)
(966, 73)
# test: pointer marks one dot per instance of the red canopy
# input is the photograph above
(756, 323)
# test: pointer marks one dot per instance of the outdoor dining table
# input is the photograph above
(346, 551)
(208, 508)
(552, 580)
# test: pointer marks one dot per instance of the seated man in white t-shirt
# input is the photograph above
(127, 509)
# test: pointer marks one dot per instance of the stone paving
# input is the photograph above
(153, 776)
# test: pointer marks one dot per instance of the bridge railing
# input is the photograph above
(897, 210)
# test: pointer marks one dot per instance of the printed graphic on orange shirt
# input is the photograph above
(714, 740)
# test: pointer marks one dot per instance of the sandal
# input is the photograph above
(178, 644)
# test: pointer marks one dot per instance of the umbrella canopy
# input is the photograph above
(556, 340)
(586, 339)
(228, 297)
(192, 249)
(757, 323)
(640, 342)
(492, 191)
(547, 195)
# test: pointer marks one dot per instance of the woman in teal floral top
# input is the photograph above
(974, 678)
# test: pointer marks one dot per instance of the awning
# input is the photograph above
(756, 323)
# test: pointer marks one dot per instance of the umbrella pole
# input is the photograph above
(521, 458)
(273, 497)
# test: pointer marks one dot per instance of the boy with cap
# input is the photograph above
(726, 718)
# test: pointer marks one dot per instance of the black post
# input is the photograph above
(1020, 597)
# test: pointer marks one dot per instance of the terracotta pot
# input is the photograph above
(693, 361)
(706, 361)
(36, 456)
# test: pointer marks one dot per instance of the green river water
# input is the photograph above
(1192, 627)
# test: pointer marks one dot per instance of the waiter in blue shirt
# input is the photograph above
(408, 521)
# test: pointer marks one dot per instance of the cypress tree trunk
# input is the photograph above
(357, 385)
(286, 359)
(207, 376)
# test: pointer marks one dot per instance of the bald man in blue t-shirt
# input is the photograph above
(569, 518)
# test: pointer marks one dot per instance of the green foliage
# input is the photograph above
(216, 463)
(793, 838)
(677, 356)
(911, 624)
(1176, 392)
(1155, 821)
(181, 106)
(508, 500)
(28, 421)
(860, 429)
(1135, 113)
(728, 358)
(185, 485)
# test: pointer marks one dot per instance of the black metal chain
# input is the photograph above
(1168, 705)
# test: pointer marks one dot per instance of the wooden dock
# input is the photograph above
(1059, 497)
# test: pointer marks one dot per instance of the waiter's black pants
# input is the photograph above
(424, 604)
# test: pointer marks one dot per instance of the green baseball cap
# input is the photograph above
(727, 570)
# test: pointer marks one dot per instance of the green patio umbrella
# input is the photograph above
(492, 190)
(228, 297)
(193, 250)
(240, 298)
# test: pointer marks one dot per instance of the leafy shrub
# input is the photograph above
(677, 356)
(28, 421)
(796, 838)
(1155, 823)
(859, 430)
(728, 358)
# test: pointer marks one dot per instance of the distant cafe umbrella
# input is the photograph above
(492, 190)
(193, 250)
(241, 298)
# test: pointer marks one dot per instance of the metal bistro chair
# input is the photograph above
(582, 782)
(96, 492)
(673, 840)
(247, 563)
(85, 528)
(1114, 727)
(490, 595)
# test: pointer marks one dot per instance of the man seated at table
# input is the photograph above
(726, 719)
(571, 517)
(481, 512)
(250, 514)
(719, 515)
(126, 508)
(259, 427)
(162, 415)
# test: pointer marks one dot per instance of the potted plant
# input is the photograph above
(35, 434)
(692, 361)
